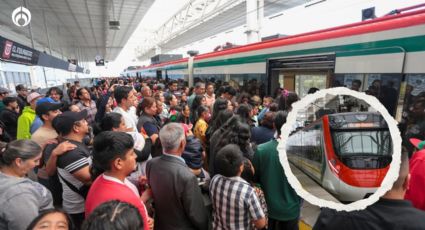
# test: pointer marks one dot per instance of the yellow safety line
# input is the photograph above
(303, 226)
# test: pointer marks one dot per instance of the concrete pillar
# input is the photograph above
(252, 20)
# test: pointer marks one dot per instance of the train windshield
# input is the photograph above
(369, 148)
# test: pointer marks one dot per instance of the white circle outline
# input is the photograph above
(392, 173)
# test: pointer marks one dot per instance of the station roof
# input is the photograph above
(200, 25)
(77, 28)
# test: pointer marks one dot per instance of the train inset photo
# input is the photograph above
(340, 148)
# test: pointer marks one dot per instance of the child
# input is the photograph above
(234, 200)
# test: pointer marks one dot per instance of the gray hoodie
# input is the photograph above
(21, 199)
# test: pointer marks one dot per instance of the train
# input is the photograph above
(348, 154)
(389, 49)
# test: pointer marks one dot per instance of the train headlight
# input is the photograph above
(361, 117)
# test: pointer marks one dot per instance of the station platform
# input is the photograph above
(310, 212)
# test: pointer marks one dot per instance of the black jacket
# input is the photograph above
(385, 214)
(10, 120)
(177, 196)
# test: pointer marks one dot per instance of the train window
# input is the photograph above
(385, 87)
(362, 143)
(303, 82)
(250, 83)
(412, 123)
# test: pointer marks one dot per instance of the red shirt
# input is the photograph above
(103, 190)
(416, 191)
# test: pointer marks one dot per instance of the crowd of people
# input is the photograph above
(154, 154)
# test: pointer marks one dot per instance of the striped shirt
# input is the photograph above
(235, 203)
(67, 164)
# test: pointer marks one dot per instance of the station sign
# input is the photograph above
(15, 52)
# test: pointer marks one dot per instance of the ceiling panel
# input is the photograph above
(77, 28)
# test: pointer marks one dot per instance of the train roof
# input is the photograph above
(386, 22)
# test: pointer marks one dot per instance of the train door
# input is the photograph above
(300, 73)
(158, 74)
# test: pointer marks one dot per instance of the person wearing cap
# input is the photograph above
(73, 165)
(9, 116)
(46, 111)
(22, 92)
(415, 193)
(3, 93)
(37, 123)
(27, 117)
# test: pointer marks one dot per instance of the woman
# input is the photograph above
(184, 116)
(55, 219)
(113, 160)
(198, 101)
(146, 111)
(21, 199)
(114, 215)
(265, 132)
(215, 139)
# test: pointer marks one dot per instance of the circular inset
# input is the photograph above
(388, 180)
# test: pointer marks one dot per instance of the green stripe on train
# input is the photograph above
(410, 44)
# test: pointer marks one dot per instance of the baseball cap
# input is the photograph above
(419, 144)
(4, 90)
(64, 122)
(32, 96)
(46, 99)
(45, 107)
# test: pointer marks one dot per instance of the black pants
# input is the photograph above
(283, 225)
(77, 219)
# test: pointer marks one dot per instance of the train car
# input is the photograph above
(348, 154)
(388, 49)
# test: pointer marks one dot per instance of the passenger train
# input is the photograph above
(390, 48)
(348, 154)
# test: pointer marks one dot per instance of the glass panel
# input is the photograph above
(303, 82)
(362, 143)
(412, 123)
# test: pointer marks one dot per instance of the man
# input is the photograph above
(415, 193)
(27, 117)
(229, 93)
(72, 165)
(390, 212)
(355, 85)
(9, 116)
(86, 103)
(209, 95)
(46, 111)
(235, 202)
(177, 196)
(22, 92)
(199, 90)
(55, 93)
(146, 91)
(77, 84)
(282, 201)
(3, 93)
(125, 98)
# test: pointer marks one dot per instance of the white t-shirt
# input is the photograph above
(129, 116)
